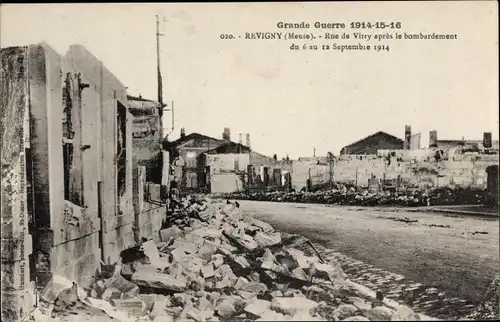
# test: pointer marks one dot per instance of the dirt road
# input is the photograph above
(446, 259)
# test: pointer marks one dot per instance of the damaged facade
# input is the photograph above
(388, 160)
(69, 184)
(203, 163)
(147, 136)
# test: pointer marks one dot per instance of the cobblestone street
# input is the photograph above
(438, 264)
(423, 299)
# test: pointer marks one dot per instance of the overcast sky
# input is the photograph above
(289, 101)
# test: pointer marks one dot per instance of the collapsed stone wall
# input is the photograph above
(431, 174)
(302, 171)
(466, 172)
(227, 171)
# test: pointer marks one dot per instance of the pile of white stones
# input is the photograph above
(221, 265)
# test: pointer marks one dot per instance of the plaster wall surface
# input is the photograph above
(226, 183)
(228, 162)
(302, 170)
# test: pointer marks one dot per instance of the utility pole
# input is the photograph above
(161, 108)
(160, 84)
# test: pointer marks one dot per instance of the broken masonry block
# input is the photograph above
(240, 282)
(210, 283)
(254, 277)
(191, 313)
(205, 304)
(245, 295)
(283, 257)
(359, 303)
(260, 224)
(333, 272)
(276, 293)
(206, 251)
(239, 264)
(257, 308)
(244, 241)
(159, 281)
(302, 260)
(197, 284)
(224, 283)
(121, 284)
(207, 271)
(226, 308)
(356, 318)
(178, 254)
(217, 260)
(226, 249)
(405, 313)
(111, 294)
(254, 287)
(304, 316)
(158, 309)
(292, 305)
(299, 274)
(271, 315)
(56, 285)
(186, 246)
(171, 232)
(133, 306)
(344, 311)
(192, 264)
(192, 238)
(379, 313)
(267, 239)
(150, 250)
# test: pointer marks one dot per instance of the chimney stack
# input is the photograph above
(433, 139)
(407, 144)
(183, 132)
(240, 138)
(248, 140)
(487, 140)
(226, 135)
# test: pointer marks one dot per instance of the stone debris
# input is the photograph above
(379, 313)
(133, 306)
(159, 281)
(343, 194)
(356, 318)
(292, 305)
(212, 264)
(344, 311)
(257, 308)
(489, 307)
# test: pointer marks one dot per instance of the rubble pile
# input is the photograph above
(214, 264)
(490, 307)
(442, 196)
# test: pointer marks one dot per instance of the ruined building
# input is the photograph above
(147, 136)
(373, 143)
(69, 201)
